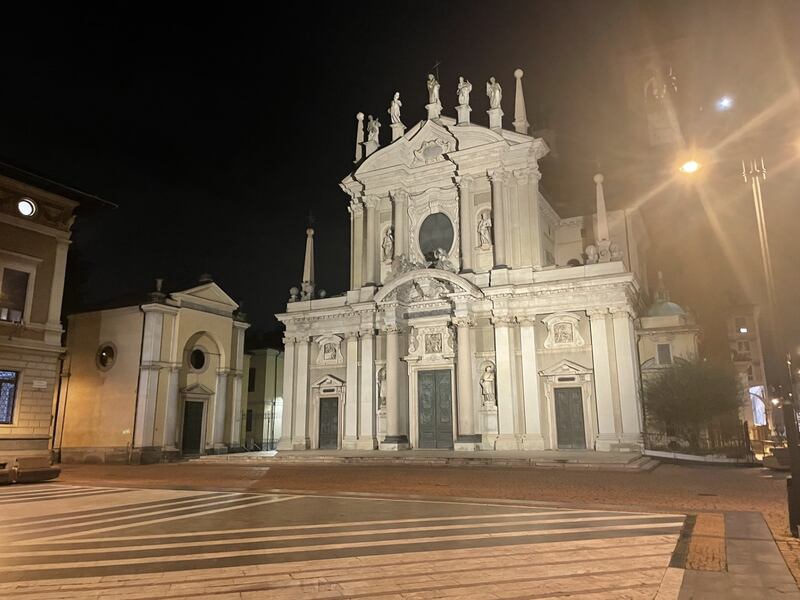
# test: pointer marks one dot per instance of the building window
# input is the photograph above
(750, 374)
(664, 354)
(197, 359)
(435, 232)
(13, 293)
(249, 420)
(106, 356)
(26, 207)
(8, 394)
(251, 380)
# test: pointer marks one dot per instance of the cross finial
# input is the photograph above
(436, 66)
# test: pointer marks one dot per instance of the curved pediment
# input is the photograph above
(413, 278)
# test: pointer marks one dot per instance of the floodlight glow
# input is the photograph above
(742, 329)
(724, 103)
(690, 166)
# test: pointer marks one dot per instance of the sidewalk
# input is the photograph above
(545, 459)
(755, 567)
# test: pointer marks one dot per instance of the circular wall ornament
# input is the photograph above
(106, 356)
(197, 359)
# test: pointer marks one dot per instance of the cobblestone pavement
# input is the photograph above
(670, 488)
(68, 541)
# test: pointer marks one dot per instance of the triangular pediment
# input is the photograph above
(565, 367)
(208, 294)
(197, 389)
(425, 144)
(329, 381)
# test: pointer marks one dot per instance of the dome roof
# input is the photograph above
(665, 308)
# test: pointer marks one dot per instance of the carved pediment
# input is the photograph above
(456, 284)
(329, 381)
(207, 294)
(565, 367)
(562, 331)
(197, 389)
(329, 350)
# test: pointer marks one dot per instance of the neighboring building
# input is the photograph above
(35, 231)
(151, 381)
(264, 399)
(667, 333)
(744, 341)
(476, 318)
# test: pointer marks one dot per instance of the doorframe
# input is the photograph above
(578, 386)
(413, 401)
(326, 387)
(203, 399)
(572, 374)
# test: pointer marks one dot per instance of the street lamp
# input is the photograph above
(690, 166)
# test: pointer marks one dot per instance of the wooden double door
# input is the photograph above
(435, 401)
(329, 423)
(570, 428)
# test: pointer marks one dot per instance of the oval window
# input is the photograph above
(197, 359)
(106, 356)
(435, 232)
(26, 207)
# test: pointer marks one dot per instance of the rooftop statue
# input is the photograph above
(394, 108)
(433, 89)
(463, 91)
(495, 93)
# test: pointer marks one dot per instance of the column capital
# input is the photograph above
(463, 322)
(371, 202)
(503, 321)
(351, 335)
(496, 176)
(356, 208)
(622, 312)
(527, 320)
(596, 313)
(464, 181)
(295, 338)
(391, 328)
(398, 195)
(521, 175)
(366, 332)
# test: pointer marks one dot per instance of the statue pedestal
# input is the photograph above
(495, 118)
(434, 110)
(370, 147)
(397, 130)
(463, 113)
(381, 424)
(489, 429)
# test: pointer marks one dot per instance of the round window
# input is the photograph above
(106, 356)
(26, 207)
(435, 232)
(197, 359)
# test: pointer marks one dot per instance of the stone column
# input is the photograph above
(465, 398)
(400, 198)
(507, 439)
(396, 438)
(300, 436)
(171, 441)
(530, 385)
(235, 402)
(357, 245)
(350, 435)
(287, 415)
(220, 404)
(371, 275)
(534, 175)
(498, 219)
(53, 331)
(601, 362)
(147, 396)
(627, 368)
(366, 430)
(465, 206)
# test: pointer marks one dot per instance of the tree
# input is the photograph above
(691, 394)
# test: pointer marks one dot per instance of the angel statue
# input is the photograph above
(495, 93)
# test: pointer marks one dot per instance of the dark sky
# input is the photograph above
(218, 130)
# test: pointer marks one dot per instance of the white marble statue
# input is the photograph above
(485, 230)
(442, 261)
(373, 130)
(487, 386)
(388, 245)
(463, 91)
(495, 93)
(382, 390)
(592, 256)
(394, 109)
(433, 90)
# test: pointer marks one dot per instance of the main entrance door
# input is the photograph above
(192, 426)
(329, 423)
(435, 401)
(569, 418)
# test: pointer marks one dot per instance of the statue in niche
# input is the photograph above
(592, 256)
(616, 251)
(382, 389)
(485, 231)
(433, 343)
(329, 351)
(495, 93)
(463, 91)
(388, 245)
(394, 109)
(442, 261)
(563, 334)
(413, 341)
(373, 130)
(433, 89)
(487, 387)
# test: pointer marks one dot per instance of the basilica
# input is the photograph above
(476, 317)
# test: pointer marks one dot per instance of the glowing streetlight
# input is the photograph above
(775, 401)
(724, 103)
(690, 166)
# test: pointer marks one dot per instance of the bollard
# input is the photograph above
(794, 507)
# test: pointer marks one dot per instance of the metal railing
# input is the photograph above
(733, 443)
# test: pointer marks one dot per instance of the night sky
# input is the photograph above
(219, 132)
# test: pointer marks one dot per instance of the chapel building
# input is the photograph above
(477, 318)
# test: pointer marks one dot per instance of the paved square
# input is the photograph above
(69, 541)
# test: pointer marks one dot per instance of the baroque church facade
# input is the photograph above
(476, 317)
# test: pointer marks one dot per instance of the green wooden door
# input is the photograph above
(192, 426)
(570, 430)
(435, 399)
(329, 423)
